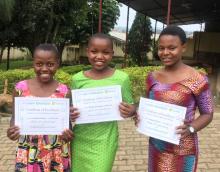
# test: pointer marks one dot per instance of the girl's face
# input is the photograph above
(45, 65)
(170, 49)
(99, 53)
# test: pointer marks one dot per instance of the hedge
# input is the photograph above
(137, 76)
(17, 75)
(74, 69)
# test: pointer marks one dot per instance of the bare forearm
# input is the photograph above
(202, 121)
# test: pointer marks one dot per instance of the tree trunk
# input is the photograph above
(1, 53)
(56, 29)
(50, 25)
(5, 87)
(60, 49)
(31, 48)
(8, 56)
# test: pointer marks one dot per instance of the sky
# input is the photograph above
(123, 17)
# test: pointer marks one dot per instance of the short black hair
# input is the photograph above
(175, 31)
(101, 36)
(48, 47)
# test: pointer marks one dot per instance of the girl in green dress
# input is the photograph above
(94, 145)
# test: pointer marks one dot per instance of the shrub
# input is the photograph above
(137, 76)
(74, 69)
(15, 64)
(16, 75)
(63, 77)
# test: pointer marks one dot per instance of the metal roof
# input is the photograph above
(182, 11)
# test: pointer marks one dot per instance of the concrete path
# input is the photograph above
(132, 153)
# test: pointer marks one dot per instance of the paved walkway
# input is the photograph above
(132, 153)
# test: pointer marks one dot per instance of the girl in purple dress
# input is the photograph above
(180, 84)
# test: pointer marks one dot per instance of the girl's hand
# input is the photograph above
(183, 130)
(13, 133)
(67, 135)
(74, 113)
(126, 110)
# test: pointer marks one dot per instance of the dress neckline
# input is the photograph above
(173, 83)
(55, 91)
(83, 74)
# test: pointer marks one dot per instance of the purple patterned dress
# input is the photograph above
(191, 93)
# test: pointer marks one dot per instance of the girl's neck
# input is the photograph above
(44, 84)
(100, 74)
(41, 89)
(174, 68)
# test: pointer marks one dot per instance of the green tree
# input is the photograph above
(56, 21)
(6, 12)
(48, 21)
(89, 26)
(6, 7)
(139, 39)
(37, 21)
(110, 14)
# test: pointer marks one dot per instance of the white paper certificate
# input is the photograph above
(97, 104)
(41, 116)
(159, 119)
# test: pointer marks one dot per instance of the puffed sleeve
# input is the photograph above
(73, 82)
(126, 90)
(203, 97)
(149, 83)
(20, 87)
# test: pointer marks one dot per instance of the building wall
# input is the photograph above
(16, 53)
(188, 54)
(207, 47)
(70, 53)
(209, 41)
(118, 49)
(202, 42)
(73, 53)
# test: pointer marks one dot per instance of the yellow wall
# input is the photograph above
(188, 54)
(204, 42)
(16, 53)
(118, 49)
(209, 41)
(72, 53)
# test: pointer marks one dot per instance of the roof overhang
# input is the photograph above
(182, 11)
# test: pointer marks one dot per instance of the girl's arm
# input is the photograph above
(67, 134)
(74, 113)
(205, 105)
(202, 121)
(127, 110)
(198, 124)
(12, 121)
(13, 132)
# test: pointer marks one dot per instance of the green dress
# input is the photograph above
(94, 145)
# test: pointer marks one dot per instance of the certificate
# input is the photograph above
(159, 119)
(97, 104)
(41, 116)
